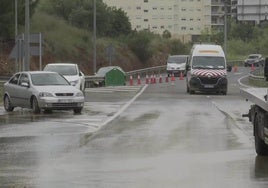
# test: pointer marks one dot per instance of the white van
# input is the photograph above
(176, 64)
(206, 70)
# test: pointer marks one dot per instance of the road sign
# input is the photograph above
(110, 51)
(35, 40)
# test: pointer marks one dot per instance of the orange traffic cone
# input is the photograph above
(139, 80)
(167, 78)
(160, 78)
(147, 79)
(252, 67)
(131, 81)
(235, 68)
(152, 79)
(172, 77)
(181, 76)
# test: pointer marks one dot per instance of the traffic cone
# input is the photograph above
(252, 67)
(167, 78)
(235, 68)
(139, 80)
(181, 76)
(131, 80)
(160, 78)
(152, 79)
(172, 77)
(147, 79)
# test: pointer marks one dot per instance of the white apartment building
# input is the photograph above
(183, 18)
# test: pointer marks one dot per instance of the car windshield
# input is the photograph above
(177, 59)
(253, 57)
(208, 62)
(62, 69)
(48, 79)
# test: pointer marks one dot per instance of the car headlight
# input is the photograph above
(75, 82)
(45, 94)
(79, 94)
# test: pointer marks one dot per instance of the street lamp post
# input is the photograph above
(94, 38)
(225, 27)
(27, 30)
(16, 33)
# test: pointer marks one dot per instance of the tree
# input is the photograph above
(7, 16)
(139, 43)
(110, 21)
(119, 24)
(166, 34)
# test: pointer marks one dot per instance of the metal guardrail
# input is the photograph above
(257, 74)
(97, 81)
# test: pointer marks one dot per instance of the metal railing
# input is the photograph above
(97, 81)
(257, 74)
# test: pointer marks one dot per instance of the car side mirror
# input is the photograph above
(229, 68)
(188, 67)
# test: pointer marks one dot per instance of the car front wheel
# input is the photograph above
(35, 105)
(7, 104)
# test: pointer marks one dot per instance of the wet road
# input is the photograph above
(162, 138)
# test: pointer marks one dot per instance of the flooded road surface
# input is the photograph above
(165, 138)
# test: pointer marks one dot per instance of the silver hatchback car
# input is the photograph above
(42, 90)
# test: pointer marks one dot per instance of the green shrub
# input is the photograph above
(140, 44)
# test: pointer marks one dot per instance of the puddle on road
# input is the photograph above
(125, 125)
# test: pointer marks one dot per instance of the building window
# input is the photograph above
(183, 28)
(138, 8)
(145, 1)
(145, 20)
(145, 10)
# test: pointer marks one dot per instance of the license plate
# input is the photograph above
(209, 86)
(65, 100)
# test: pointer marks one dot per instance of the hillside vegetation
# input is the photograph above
(67, 32)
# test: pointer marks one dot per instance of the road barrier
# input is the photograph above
(98, 81)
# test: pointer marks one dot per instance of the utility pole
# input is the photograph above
(94, 38)
(27, 30)
(16, 34)
(225, 27)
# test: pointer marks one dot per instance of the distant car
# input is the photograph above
(70, 71)
(254, 59)
(39, 90)
(176, 64)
